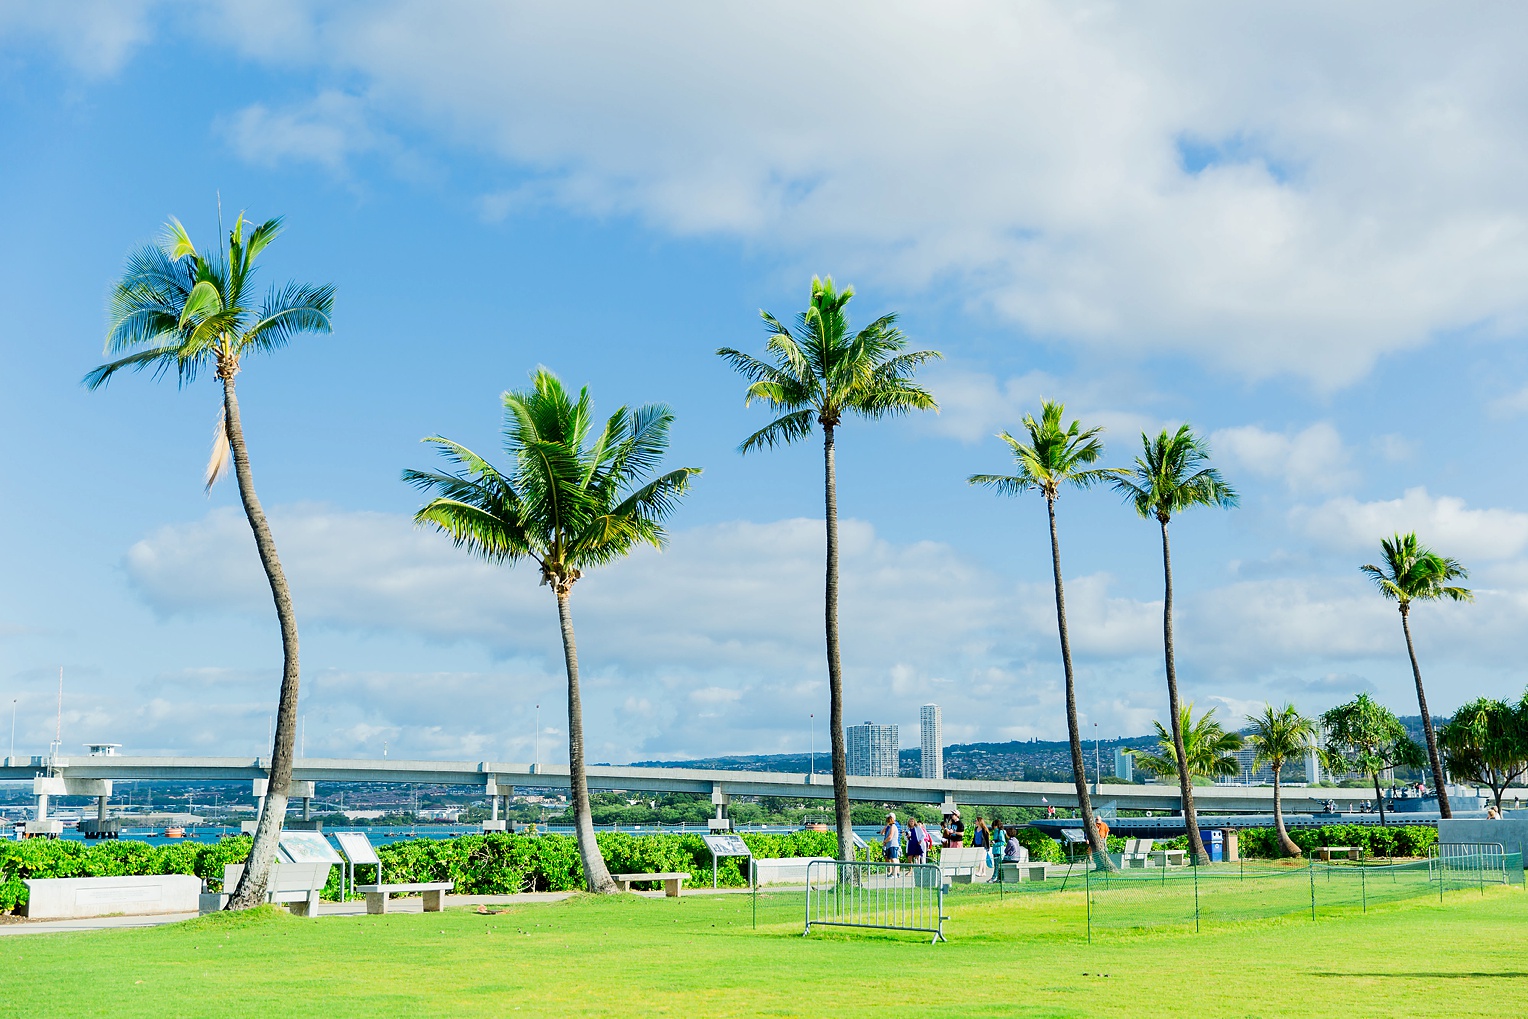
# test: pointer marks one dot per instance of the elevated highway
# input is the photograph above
(90, 776)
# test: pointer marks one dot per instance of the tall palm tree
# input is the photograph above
(1055, 456)
(1172, 474)
(817, 373)
(574, 499)
(1413, 572)
(177, 309)
(1208, 748)
(1279, 735)
(1364, 735)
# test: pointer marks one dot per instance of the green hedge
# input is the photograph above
(475, 864)
(1374, 840)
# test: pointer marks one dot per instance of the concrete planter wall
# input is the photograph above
(71, 897)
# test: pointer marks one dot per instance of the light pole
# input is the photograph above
(538, 739)
(1098, 775)
(811, 725)
(13, 725)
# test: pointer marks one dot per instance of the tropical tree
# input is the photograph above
(1413, 572)
(816, 373)
(1057, 456)
(572, 499)
(1365, 736)
(179, 310)
(1279, 735)
(1487, 742)
(1207, 747)
(1172, 474)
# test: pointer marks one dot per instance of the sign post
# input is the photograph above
(727, 845)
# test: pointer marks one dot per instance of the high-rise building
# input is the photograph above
(932, 724)
(873, 750)
(1124, 764)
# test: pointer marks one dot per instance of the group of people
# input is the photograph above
(1001, 843)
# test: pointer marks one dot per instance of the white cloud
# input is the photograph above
(1237, 187)
(1311, 460)
(328, 130)
(96, 37)
(1443, 522)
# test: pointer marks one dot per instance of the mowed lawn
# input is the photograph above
(1025, 955)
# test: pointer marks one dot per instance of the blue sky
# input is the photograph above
(1303, 232)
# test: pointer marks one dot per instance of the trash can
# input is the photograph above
(1214, 843)
(1231, 849)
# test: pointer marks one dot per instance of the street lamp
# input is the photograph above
(1098, 775)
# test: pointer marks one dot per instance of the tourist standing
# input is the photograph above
(917, 841)
(891, 842)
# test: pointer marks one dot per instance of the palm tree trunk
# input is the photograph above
(1096, 842)
(1379, 800)
(251, 888)
(1185, 780)
(596, 874)
(1427, 726)
(1286, 844)
(835, 666)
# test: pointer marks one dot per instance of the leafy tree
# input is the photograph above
(1172, 474)
(574, 499)
(179, 310)
(1413, 572)
(1487, 742)
(1279, 735)
(1054, 456)
(816, 373)
(1364, 736)
(1208, 748)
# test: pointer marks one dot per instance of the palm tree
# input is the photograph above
(573, 500)
(1414, 572)
(818, 372)
(1053, 457)
(1171, 474)
(1208, 748)
(1279, 735)
(177, 309)
(1363, 735)
(1487, 742)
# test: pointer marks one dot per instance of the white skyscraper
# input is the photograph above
(933, 741)
(1124, 765)
(873, 750)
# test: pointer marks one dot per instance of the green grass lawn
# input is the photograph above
(1023, 955)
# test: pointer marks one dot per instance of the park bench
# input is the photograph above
(966, 864)
(673, 883)
(377, 895)
(1167, 858)
(1137, 854)
(1025, 870)
(296, 884)
(1327, 852)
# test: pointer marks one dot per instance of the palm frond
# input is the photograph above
(781, 431)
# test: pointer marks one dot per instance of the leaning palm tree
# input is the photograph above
(1171, 474)
(817, 373)
(179, 310)
(1208, 748)
(1055, 456)
(574, 499)
(1413, 572)
(1279, 735)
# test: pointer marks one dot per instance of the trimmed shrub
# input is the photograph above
(1374, 840)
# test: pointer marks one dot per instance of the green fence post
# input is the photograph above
(1087, 892)
(1196, 895)
(1363, 880)
(1310, 869)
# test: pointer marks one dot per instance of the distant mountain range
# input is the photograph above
(1017, 760)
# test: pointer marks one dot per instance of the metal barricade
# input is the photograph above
(1467, 865)
(897, 897)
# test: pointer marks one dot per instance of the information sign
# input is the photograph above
(727, 845)
(308, 847)
(357, 846)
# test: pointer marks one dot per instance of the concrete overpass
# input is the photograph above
(93, 775)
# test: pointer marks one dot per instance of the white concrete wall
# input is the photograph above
(1512, 833)
(789, 870)
(69, 897)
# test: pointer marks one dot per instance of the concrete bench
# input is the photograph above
(1012, 873)
(1327, 852)
(1167, 858)
(295, 884)
(377, 895)
(965, 864)
(673, 884)
(791, 870)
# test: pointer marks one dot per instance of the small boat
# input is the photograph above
(175, 831)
